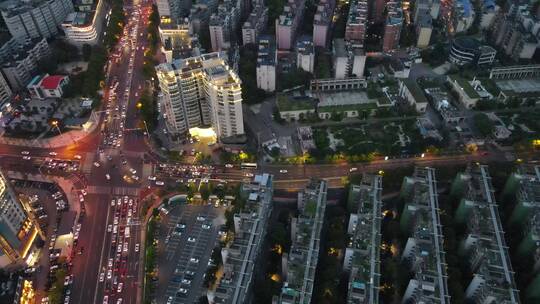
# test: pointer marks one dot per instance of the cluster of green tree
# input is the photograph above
(483, 124)
(339, 26)
(306, 27)
(61, 52)
(277, 241)
(323, 63)
(148, 109)
(117, 21)
(248, 74)
(89, 82)
(150, 257)
(293, 78)
(435, 56)
(275, 8)
(150, 62)
(211, 271)
(56, 291)
(330, 284)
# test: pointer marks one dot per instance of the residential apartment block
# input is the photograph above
(305, 55)
(322, 22)
(392, 27)
(287, 23)
(348, 60)
(355, 29)
(19, 230)
(424, 27)
(301, 261)
(362, 255)
(266, 64)
(85, 27)
(255, 24)
(19, 60)
(223, 25)
(201, 91)
(177, 42)
(176, 10)
(242, 254)
(516, 32)
(424, 252)
(35, 19)
(5, 90)
(484, 244)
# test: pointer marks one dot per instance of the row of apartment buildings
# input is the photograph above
(81, 21)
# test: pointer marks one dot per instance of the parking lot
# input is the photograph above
(187, 236)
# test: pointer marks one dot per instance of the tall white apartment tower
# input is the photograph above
(201, 91)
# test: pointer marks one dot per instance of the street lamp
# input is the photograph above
(54, 124)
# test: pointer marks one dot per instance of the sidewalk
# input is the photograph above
(61, 140)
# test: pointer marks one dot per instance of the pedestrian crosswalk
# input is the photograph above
(113, 190)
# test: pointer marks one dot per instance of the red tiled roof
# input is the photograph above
(51, 82)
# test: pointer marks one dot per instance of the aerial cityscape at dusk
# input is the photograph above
(269, 151)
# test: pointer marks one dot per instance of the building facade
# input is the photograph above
(266, 64)
(36, 19)
(355, 29)
(305, 55)
(85, 27)
(19, 61)
(201, 91)
(255, 23)
(392, 28)
(18, 229)
(322, 22)
(466, 50)
(5, 90)
(287, 23)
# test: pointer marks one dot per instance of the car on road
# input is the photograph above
(133, 171)
(229, 166)
(96, 164)
(107, 176)
(353, 169)
(201, 218)
(135, 177)
(249, 174)
(109, 228)
(109, 274)
(27, 157)
(283, 171)
(205, 226)
(105, 299)
(53, 153)
(191, 239)
(137, 247)
(25, 152)
(102, 277)
(152, 178)
(119, 301)
(159, 183)
(194, 260)
(119, 289)
(77, 156)
(183, 290)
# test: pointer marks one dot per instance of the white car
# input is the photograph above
(201, 218)
(109, 228)
(160, 183)
(133, 171)
(77, 157)
(353, 169)
(119, 301)
(107, 176)
(229, 166)
(27, 157)
(102, 277)
(135, 177)
(137, 247)
(186, 282)
(182, 290)
(53, 153)
(105, 299)
(25, 152)
(112, 202)
(194, 260)
(96, 164)
(191, 239)
(283, 171)
(152, 178)
(109, 274)
(120, 285)
(206, 227)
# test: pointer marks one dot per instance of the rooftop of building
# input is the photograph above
(14, 7)
(79, 18)
(305, 45)
(255, 17)
(357, 12)
(21, 49)
(266, 51)
(287, 102)
(340, 48)
(415, 90)
(464, 85)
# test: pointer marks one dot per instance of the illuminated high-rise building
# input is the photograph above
(18, 230)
